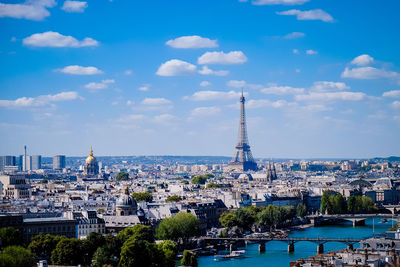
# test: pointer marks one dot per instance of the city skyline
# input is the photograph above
(321, 79)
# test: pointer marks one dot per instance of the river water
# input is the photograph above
(276, 252)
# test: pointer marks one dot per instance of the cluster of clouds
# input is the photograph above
(360, 68)
(313, 14)
(40, 101)
(177, 67)
(38, 9)
(55, 39)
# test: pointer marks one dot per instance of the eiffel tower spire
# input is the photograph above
(243, 159)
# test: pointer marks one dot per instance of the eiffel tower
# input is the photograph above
(243, 159)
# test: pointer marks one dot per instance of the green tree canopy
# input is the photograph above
(142, 196)
(17, 256)
(301, 210)
(10, 236)
(42, 245)
(138, 232)
(141, 253)
(189, 259)
(122, 176)
(89, 245)
(68, 252)
(174, 198)
(102, 257)
(213, 185)
(228, 219)
(200, 179)
(170, 249)
(181, 226)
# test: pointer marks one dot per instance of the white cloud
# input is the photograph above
(261, 103)
(55, 39)
(176, 67)
(243, 84)
(32, 10)
(94, 87)
(324, 86)
(205, 83)
(396, 104)
(155, 101)
(316, 108)
(213, 95)
(331, 96)
(362, 60)
(279, 2)
(311, 52)
(74, 6)
(128, 72)
(295, 51)
(194, 41)
(234, 57)
(164, 118)
(205, 111)
(79, 70)
(294, 35)
(130, 118)
(393, 93)
(368, 73)
(43, 100)
(207, 71)
(144, 87)
(315, 14)
(282, 90)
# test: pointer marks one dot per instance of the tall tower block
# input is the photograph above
(243, 159)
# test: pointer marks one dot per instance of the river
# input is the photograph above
(276, 252)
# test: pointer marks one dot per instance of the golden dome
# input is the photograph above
(90, 159)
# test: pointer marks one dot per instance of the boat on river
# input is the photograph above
(236, 254)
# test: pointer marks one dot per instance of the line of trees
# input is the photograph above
(134, 246)
(247, 217)
(335, 203)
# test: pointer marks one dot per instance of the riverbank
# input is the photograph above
(276, 252)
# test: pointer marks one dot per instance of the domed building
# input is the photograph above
(91, 166)
(126, 205)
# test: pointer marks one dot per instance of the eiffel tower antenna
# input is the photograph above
(243, 159)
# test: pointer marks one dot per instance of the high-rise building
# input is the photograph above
(26, 163)
(243, 159)
(58, 162)
(7, 161)
(36, 162)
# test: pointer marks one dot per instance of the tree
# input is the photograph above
(142, 196)
(67, 252)
(89, 246)
(228, 219)
(339, 204)
(17, 256)
(301, 210)
(122, 176)
(179, 227)
(10, 236)
(212, 185)
(138, 232)
(102, 257)
(141, 253)
(42, 245)
(244, 218)
(174, 198)
(326, 205)
(200, 179)
(189, 259)
(169, 249)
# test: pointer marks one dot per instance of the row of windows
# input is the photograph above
(50, 229)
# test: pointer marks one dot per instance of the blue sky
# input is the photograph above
(322, 78)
